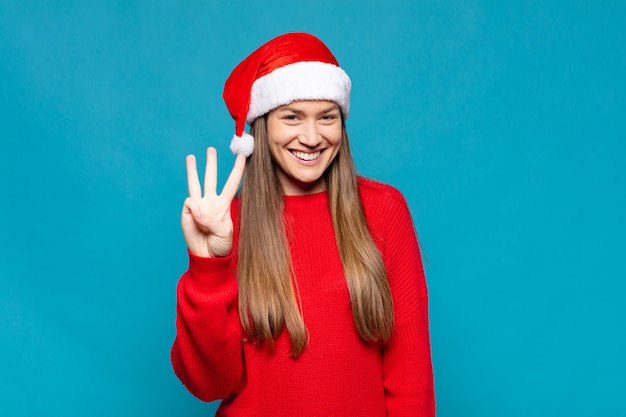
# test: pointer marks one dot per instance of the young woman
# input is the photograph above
(305, 293)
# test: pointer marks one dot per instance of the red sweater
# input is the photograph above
(338, 374)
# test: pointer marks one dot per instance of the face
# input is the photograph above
(304, 138)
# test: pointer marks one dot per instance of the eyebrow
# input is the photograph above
(298, 111)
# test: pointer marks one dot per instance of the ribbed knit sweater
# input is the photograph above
(338, 374)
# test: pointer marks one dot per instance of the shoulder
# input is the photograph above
(384, 206)
(387, 214)
(379, 194)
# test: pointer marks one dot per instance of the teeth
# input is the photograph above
(306, 156)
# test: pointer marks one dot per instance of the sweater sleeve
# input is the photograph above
(407, 364)
(207, 351)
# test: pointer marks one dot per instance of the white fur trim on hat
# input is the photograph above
(243, 144)
(300, 81)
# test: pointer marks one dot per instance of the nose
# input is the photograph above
(310, 136)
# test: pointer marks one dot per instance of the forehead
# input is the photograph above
(309, 106)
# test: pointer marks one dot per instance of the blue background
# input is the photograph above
(503, 123)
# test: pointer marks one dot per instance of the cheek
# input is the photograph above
(278, 135)
(275, 150)
(273, 129)
(335, 136)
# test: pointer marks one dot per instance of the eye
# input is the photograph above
(290, 118)
(329, 117)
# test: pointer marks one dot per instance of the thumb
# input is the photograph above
(191, 207)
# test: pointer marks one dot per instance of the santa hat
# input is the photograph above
(293, 66)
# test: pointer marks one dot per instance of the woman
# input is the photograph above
(305, 293)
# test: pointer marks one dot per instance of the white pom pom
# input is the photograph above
(243, 144)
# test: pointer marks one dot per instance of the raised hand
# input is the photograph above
(207, 225)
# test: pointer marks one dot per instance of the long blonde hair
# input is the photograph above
(267, 299)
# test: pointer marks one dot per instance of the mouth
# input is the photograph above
(306, 156)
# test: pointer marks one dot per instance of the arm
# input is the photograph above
(207, 353)
(407, 364)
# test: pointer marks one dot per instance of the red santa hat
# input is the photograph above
(290, 67)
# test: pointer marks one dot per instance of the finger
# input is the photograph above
(210, 172)
(191, 206)
(193, 182)
(232, 183)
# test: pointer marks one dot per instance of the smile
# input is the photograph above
(306, 156)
